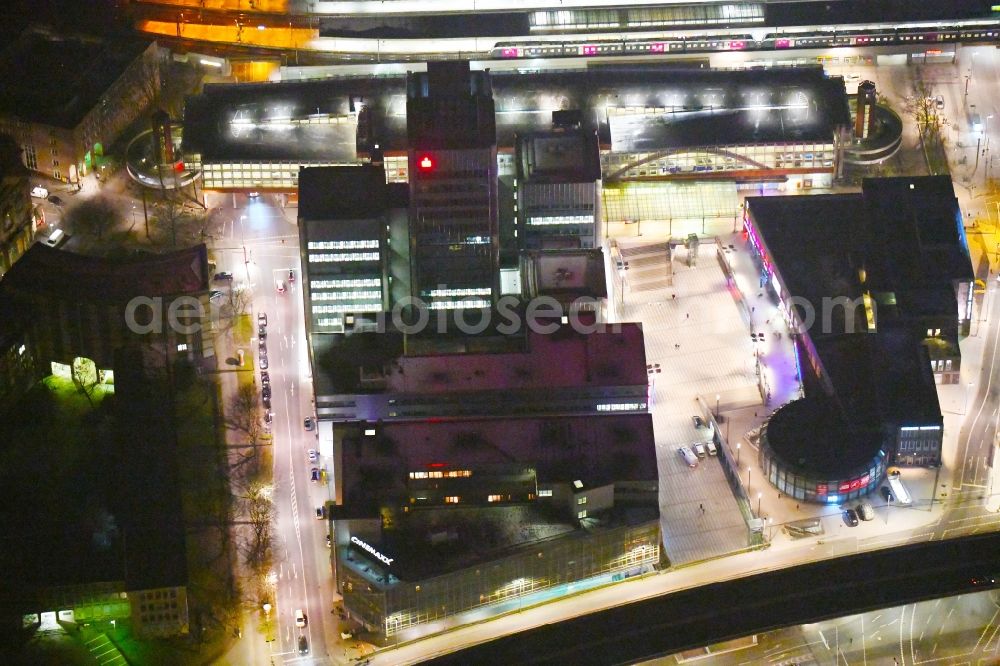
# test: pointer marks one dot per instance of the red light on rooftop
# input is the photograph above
(436, 465)
(179, 166)
(426, 163)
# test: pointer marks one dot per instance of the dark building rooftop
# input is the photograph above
(722, 107)
(57, 79)
(343, 193)
(67, 275)
(270, 121)
(558, 157)
(450, 107)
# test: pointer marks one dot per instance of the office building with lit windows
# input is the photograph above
(347, 219)
(558, 190)
(454, 216)
(444, 518)
(877, 289)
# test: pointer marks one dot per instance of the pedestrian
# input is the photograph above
(677, 346)
(673, 297)
(796, 507)
(753, 308)
(702, 507)
(687, 315)
(755, 414)
(768, 321)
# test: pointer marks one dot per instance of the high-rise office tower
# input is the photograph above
(453, 186)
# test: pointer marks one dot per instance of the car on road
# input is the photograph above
(280, 286)
(865, 511)
(291, 275)
(307, 423)
(699, 449)
(266, 391)
(939, 102)
(850, 517)
(710, 446)
(268, 417)
(262, 346)
(329, 541)
(216, 295)
(39, 192)
(54, 200)
(222, 276)
(314, 474)
(262, 333)
(300, 618)
(263, 361)
(303, 645)
(983, 580)
(265, 377)
(346, 635)
(313, 455)
(320, 512)
(262, 319)
(267, 403)
(698, 421)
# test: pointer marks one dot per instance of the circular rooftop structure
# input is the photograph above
(810, 452)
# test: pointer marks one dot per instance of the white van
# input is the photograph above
(688, 455)
(55, 238)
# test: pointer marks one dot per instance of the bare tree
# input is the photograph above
(239, 298)
(85, 379)
(95, 215)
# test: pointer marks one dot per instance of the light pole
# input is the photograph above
(967, 388)
(759, 496)
(716, 407)
(737, 454)
(748, 479)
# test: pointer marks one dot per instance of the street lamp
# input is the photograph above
(737, 454)
(716, 407)
(759, 496)
(748, 479)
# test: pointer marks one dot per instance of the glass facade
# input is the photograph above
(400, 605)
(811, 156)
(810, 487)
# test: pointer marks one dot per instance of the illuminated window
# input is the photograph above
(545, 493)
(581, 514)
(494, 498)
(581, 500)
(451, 499)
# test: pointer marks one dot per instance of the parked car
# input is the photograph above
(688, 455)
(313, 455)
(300, 618)
(262, 333)
(268, 416)
(886, 493)
(710, 447)
(263, 361)
(54, 200)
(55, 238)
(267, 403)
(320, 512)
(939, 102)
(216, 295)
(329, 541)
(699, 449)
(865, 511)
(291, 275)
(280, 286)
(308, 423)
(850, 518)
(266, 391)
(262, 319)
(262, 346)
(698, 421)
(223, 275)
(265, 377)
(314, 474)
(303, 645)
(39, 192)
